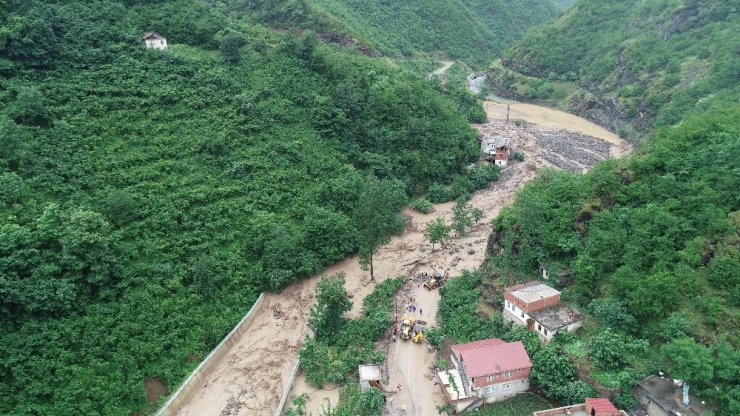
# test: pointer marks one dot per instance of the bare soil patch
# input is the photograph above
(154, 389)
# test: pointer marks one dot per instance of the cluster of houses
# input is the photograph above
(490, 370)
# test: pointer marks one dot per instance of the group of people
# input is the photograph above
(412, 308)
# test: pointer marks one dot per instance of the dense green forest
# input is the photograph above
(474, 31)
(628, 65)
(147, 197)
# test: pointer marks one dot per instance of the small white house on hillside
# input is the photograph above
(154, 41)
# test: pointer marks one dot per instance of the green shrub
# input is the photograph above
(482, 174)
(422, 205)
(438, 194)
(332, 361)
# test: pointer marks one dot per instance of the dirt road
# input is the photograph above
(253, 374)
(441, 70)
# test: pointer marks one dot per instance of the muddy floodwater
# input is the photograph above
(548, 117)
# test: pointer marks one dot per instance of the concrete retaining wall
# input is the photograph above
(195, 380)
(288, 387)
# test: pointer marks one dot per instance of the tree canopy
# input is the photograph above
(148, 196)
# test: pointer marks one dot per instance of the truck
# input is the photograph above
(411, 327)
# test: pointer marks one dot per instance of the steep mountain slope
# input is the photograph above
(148, 196)
(647, 246)
(474, 31)
(631, 63)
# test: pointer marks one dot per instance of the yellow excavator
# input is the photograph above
(436, 281)
(418, 334)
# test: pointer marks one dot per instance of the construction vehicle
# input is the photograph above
(409, 327)
(418, 332)
(436, 281)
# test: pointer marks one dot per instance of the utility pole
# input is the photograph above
(508, 108)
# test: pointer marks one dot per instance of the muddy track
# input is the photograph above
(253, 374)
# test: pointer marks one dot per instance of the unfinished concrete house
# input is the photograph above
(537, 306)
(662, 396)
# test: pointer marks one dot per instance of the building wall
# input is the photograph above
(575, 326)
(493, 379)
(500, 162)
(546, 335)
(501, 391)
(463, 375)
(514, 314)
(156, 43)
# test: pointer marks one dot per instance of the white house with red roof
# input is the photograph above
(485, 371)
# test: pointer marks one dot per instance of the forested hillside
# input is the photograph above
(148, 196)
(474, 31)
(628, 65)
(648, 247)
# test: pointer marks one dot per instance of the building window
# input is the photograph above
(545, 332)
(507, 374)
(539, 327)
(506, 386)
(522, 314)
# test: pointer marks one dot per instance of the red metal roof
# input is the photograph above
(602, 406)
(491, 356)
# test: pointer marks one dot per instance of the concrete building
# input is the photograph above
(592, 407)
(660, 396)
(497, 148)
(370, 376)
(154, 41)
(537, 306)
(485, 371)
